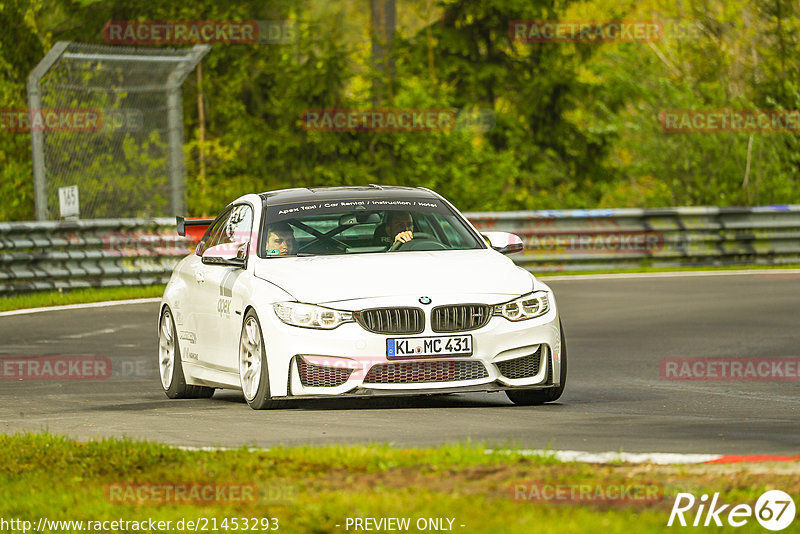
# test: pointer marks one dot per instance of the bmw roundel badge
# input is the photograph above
(424, 300)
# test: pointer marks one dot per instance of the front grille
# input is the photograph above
(392, 320)
(321, 376)
(425, 371)
(460, 317)
(524, 367)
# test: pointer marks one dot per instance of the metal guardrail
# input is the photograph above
(601, 239)
(93, 253)
(128, 252)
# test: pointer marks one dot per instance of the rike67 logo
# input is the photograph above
(774, 510)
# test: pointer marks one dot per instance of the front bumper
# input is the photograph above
(349, 360)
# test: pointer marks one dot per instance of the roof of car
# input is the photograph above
(300, 194)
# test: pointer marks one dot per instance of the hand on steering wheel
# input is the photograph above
(401, 239)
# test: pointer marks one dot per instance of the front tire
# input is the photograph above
(169, 363)
(253, 371)
(534, 397)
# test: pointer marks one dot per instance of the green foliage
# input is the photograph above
(78, 296)
(576, 125)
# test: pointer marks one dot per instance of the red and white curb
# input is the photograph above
(660, 458)
(552, 277)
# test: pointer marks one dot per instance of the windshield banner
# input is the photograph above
(281, 212)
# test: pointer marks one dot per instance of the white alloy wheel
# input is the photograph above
(253, 374)
(250, 358)
(170, 367)
(166, 350)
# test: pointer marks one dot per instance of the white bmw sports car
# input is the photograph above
(347, 291)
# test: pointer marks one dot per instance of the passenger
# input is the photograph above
(280, 238)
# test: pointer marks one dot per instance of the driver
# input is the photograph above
(280, 238)
(399, 227)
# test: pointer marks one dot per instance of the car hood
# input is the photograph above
(321, 279)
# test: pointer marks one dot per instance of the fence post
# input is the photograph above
(177, 166)
(177, 185)
(37, 137)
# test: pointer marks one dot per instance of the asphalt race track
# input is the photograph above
(618, 331)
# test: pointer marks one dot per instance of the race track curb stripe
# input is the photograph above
(753, 458)
(660, 458)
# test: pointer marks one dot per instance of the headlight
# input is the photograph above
(310, 316)
(524, 307)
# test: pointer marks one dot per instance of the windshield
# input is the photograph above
(326, 229)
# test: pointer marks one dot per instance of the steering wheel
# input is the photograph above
(419, 242)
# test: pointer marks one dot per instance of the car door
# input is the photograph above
(218, 321)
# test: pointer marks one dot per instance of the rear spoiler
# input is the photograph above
(193, 228)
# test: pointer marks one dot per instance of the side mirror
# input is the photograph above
(231, 254)
(503, 242)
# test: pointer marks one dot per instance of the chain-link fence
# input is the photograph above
(110, 121)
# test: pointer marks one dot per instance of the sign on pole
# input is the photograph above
(69, 203)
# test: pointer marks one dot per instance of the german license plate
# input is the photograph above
(419, 347)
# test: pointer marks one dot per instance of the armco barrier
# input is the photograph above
(105, 253)
(581, 240)
(92, 253)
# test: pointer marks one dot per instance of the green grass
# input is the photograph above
(312, 489)
(78, 296)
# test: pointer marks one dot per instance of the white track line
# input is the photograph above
(660, 458)
(673, 274)
(80, 306)
(215, 449)
(655, 458)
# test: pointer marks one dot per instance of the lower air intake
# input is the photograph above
(321, 376)
(421, 372)
(524, 367)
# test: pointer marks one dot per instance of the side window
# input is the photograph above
(212, 234)
(234, 226)
(237, 227)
